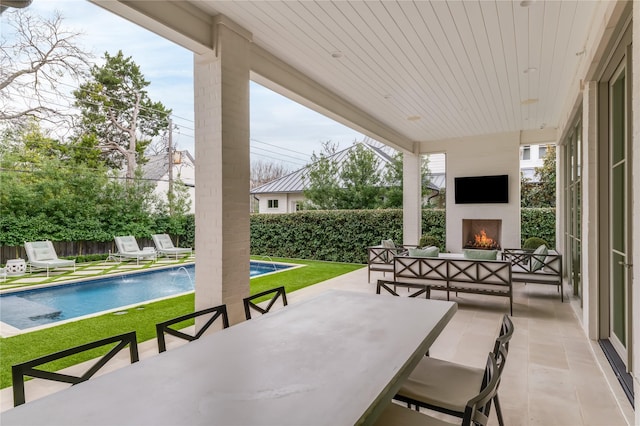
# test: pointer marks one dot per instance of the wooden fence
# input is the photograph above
(70, 249)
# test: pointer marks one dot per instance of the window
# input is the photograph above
(542, 151)
(273, 204)
(526, 152)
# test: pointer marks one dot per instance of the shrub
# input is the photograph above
(429, 240)
(534, 243)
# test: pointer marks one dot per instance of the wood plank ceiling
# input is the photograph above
(431, 70)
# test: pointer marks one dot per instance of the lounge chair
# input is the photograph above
(128, 249)
(164, 246)
(42, 255)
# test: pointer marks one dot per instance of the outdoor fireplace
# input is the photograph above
(481, 233)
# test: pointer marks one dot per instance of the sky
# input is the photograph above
(282, 131)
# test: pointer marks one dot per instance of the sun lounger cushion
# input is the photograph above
(41, 251)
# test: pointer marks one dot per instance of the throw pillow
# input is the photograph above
(475, 254)
(431, 251)
(388, 244)
(538, 257)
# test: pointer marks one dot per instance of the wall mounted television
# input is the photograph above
(482, 189)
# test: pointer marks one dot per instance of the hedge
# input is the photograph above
(339, 235)
(342, 235)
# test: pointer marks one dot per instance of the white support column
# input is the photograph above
(411, 199)
(221, 80)
(589, 209)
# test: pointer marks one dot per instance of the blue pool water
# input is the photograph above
(31, 308)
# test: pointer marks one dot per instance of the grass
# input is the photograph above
(142, 319)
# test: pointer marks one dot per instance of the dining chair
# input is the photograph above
(164, 327)
(28, 368)
(476, 409)
(275, 294)
(392, 287)
(446, 386)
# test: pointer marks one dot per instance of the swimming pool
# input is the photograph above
(31, 308)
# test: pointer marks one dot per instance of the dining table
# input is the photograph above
(337, 358)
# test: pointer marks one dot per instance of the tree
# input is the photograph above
(36, 55)
(263, 172)
(355, 183)
(361, 180)
(394, 180)
(322, 183)
(541, 192)
(116, 108)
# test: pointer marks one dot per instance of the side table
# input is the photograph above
(15, 267)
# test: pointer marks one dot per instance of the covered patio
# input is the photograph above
(473, 80)
(554, 373)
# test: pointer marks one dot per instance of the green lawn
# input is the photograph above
(142, 319)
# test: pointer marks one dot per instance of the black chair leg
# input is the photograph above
(498, 410)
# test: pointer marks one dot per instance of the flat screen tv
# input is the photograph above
(482, 189)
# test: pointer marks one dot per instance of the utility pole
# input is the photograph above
(170, 149)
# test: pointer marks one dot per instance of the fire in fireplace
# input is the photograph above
(481, 234)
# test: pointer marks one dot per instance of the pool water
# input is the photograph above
(32, 308)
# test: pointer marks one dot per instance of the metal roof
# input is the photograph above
(295, 182)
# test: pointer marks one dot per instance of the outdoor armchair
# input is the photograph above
(164, 246)
(42, 255)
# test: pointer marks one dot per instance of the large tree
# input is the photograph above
(116, 108)
(37, 55)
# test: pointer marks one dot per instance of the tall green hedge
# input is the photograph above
(339, 235)
(342, 235)
(539, 222)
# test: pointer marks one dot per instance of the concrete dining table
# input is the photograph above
(334, 359)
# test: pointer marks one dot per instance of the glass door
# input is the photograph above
(618, 215)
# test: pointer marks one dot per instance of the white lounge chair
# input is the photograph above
(164, 246)
(42, 255)
(128, 249)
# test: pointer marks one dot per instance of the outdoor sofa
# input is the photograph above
(454, 273)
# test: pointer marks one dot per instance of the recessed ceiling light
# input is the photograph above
(527, 3)
(529, 101)
(337, 54)
(530, 69)
(414, 118)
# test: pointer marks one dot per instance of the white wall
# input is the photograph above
(286, 202)
(186, 173)
(481, 156)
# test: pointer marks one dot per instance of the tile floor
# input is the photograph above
(554, 374)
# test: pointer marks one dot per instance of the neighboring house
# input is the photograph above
(286, 194)
(531, 157)
(157, 169)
